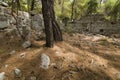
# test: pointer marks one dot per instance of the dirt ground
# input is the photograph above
(76, 58)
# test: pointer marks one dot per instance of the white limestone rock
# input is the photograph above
(117, 76)
(12, 52)
(17, 72)
(4, 4)
(3, 24)
(2, 76)
(22, 55)
(6, 66)
(26, 44)
(45, 61)
(33, 78)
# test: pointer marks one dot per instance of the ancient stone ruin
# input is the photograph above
(98, 24)
(95, 24)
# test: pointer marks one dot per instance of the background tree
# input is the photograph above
(32, 5)
(73, 9)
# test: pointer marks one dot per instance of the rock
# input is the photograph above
(6, 20)
(12, 52)
(37, 22)
(117, 75)
(53, 64)
(24, 19)
(22, 55)
(45, 61)
(23, 15)
(17, 72)
(33, 78)
(57, 52)
(26, 44)
(2, 76)
(6, 66)
(3, 24)
(4, 4)
(24, 23)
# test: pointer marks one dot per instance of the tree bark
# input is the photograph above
(62, 7)
(52, 29)
(56, 29)
(32, 5)
(47, 23)
(18, 4)
(72, 12)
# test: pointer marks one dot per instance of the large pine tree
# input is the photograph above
(52, 29)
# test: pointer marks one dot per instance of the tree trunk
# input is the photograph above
(18, 4)
(72, 12)
(56, 29)
(16, 17)
(32, 5)
(52, 29)
(62, 7)
(47, 22)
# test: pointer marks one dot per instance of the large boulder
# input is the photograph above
(37, 23)
(3, 24)
(5, 18)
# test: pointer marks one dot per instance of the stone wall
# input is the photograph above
(95, 24)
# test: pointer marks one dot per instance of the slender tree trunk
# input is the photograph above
(12, 2)
(32, 5)
(16, 17)
(18, 4)
(52, 29)
(72, 12)
(62, 6)
(28, 4)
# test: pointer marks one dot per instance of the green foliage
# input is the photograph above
(112, 9)
(115, 13)
(80, 8)
(63, 8)
(92, 6)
